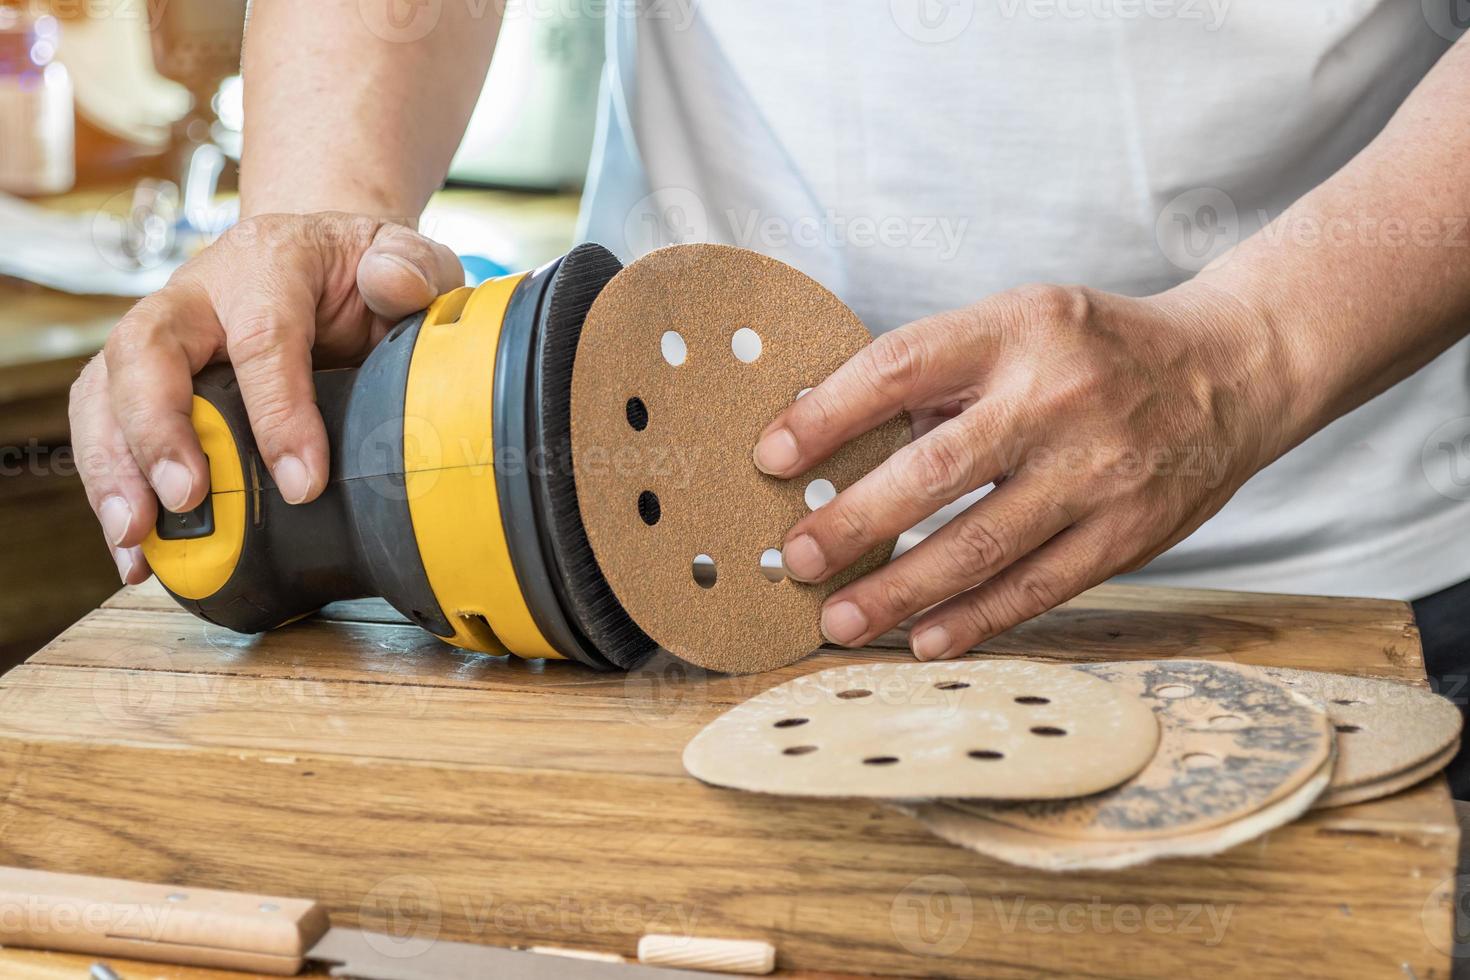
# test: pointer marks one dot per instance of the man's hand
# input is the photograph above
(275, 296)
(1112, 428)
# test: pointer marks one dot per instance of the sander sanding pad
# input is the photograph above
(1232, 742)
(1003, 729)
(684, 359)
(1383, 728)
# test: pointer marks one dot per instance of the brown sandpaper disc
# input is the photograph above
(1383, 727)
(662, 452)
(1387, 786)
(1232, 742)
(1042, 851)
(1007, 729)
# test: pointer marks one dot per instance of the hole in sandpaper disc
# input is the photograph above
(746, 345)
(704, 571)
(772, 567)
(649, 509)
(819, 493)
(637, 414)
(673, 348)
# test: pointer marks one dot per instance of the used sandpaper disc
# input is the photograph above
(685, 357)
(1232, 742)
(1384, 728)
(1032, 850)
(1003, 729)
(1388, 785)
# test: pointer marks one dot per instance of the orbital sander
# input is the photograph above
(456, 464)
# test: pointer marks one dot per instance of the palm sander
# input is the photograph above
(501, 469)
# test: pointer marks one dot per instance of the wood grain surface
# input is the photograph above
(426, 791)
(34, 965)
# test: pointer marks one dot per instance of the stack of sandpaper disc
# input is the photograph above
(1390, 736)
(1091, 766)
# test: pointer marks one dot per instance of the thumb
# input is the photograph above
(402, 272)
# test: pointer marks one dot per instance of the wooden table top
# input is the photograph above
(353, 759)
(36, 965)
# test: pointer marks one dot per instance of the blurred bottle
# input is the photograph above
(37, 122)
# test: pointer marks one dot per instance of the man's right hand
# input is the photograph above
(276, 296)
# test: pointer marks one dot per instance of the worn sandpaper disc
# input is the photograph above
(1004, 729)
(1383, 728)
(686, 356)
(1232, 741)
(1032, 850)
(1388, 785)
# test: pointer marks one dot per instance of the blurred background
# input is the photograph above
(120, 129)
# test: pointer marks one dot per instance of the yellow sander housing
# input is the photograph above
(451, 494)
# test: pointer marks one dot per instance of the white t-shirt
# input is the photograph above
(918, 155)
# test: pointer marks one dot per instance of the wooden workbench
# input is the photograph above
(421, 790)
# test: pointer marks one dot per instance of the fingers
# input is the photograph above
(954, 458)
(924, 421)
(150, 363)
(255, 296)
(1076, 560)
(271, 330)
(1001, 528)
(402, 272)
(117, 490)
(907, 368)
(269, 343)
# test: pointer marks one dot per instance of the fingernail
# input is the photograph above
(932, 643)
(803, 558)
(404, 264)
(123, 557)
(292, 479)
(116, 516)
(843, 622)
(407, 265)
(172, 482)
(776, 452)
